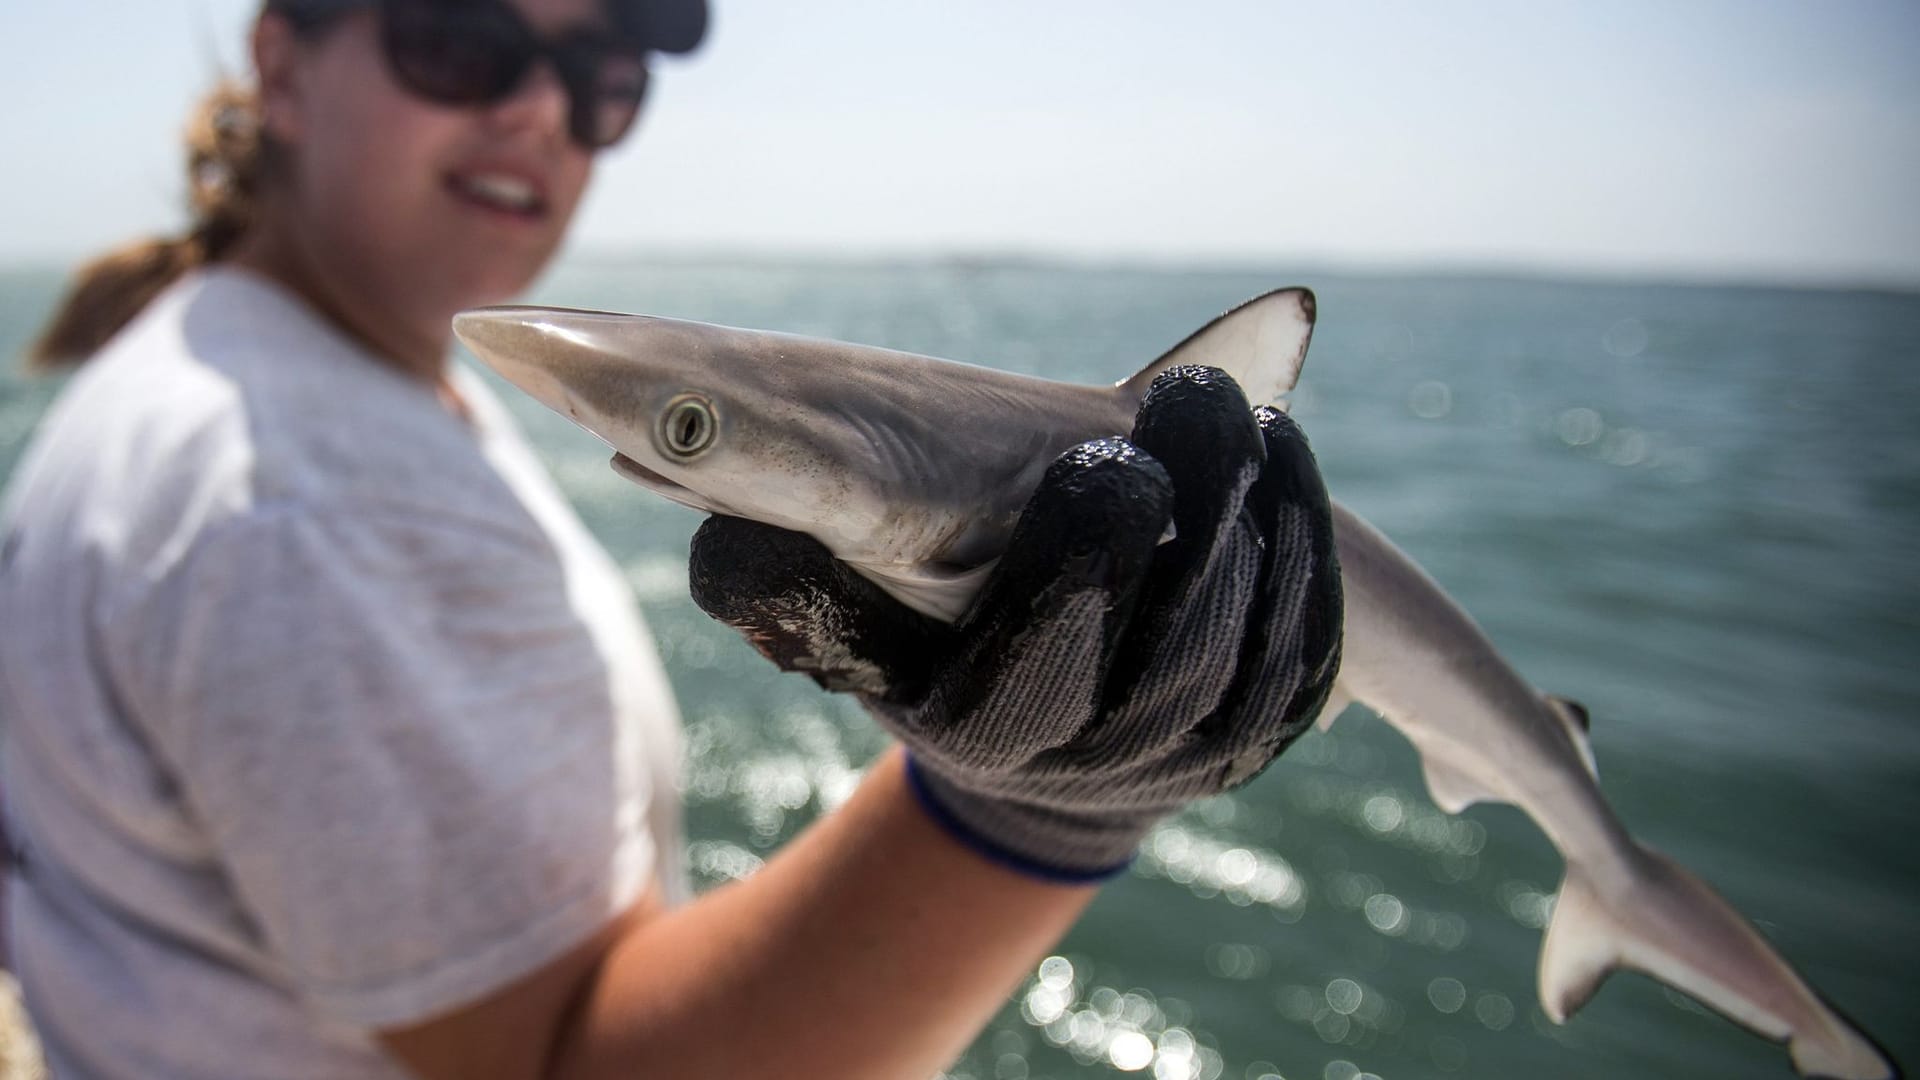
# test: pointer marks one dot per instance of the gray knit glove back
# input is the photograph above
(1102, 679)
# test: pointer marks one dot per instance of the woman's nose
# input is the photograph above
(540, 102)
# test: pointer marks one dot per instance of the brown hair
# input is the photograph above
(225, 158)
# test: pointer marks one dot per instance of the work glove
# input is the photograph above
(1105, 675)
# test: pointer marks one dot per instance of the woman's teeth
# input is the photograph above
(509, 193)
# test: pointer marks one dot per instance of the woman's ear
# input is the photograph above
(276, 54)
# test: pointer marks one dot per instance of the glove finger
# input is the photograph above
(1292, 647)
(1196, 422)
(809, 612)
(1183, 643)
(1038, 641)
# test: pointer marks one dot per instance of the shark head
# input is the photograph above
(704, 415)
(910, 469)
(817, 436)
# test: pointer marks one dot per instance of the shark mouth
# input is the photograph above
(654, 482)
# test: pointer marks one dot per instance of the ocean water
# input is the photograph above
(1694, 509)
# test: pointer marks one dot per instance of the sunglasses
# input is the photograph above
(476, 52)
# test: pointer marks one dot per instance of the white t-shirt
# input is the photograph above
(323, 713)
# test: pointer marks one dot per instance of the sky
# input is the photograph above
(1692, 139)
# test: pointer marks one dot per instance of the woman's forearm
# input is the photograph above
(872, 945)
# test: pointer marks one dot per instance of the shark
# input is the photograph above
(912, 470)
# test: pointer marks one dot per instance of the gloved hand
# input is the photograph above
(1102, 678)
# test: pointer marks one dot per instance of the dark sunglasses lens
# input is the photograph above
(606, 86)
(455, 53)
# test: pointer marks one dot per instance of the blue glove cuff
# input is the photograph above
(994, 852)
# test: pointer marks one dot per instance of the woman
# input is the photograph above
(336, 746)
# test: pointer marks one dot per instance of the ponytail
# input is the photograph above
(224, 165)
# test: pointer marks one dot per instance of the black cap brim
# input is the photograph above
(675, 26)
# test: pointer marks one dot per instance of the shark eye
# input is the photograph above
(687, 426)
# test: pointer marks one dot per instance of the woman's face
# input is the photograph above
(420, 207)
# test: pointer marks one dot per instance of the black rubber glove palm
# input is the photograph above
(1102, 678)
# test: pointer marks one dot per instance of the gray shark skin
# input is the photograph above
(912, 471)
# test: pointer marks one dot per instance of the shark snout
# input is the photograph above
(525, 348)
(500, 335)
(508, 340)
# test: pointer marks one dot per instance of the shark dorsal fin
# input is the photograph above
(1262, 344)
(1573, 711)
(1573, 716)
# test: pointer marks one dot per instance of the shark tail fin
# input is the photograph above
(1262, 344)
(1670, 925)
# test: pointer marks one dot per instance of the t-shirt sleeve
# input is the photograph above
(401, 742)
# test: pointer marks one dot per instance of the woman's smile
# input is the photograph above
(504, 192)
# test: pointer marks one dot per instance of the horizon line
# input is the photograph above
(1010, 258)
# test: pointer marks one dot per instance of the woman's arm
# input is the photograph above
(873, 945)
(1102, 679)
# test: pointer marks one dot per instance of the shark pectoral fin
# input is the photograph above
(1262, 344)
(1573, 716)
(1451, 789)
(1337, 703)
